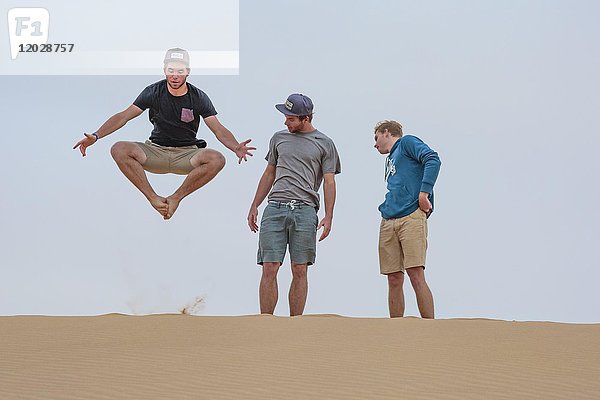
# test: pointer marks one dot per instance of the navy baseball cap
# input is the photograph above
(296, 104)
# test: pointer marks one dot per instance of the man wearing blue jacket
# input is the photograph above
(411, 170)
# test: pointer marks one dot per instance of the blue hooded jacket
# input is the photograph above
(411, 167)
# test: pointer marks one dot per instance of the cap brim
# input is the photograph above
(175, 60)
(281, 108)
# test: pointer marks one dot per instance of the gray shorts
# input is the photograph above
(284, 224)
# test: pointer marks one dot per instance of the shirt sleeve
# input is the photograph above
(206, 106)
(272, 155)
(144, 99)
(422, 153)
(331, 159)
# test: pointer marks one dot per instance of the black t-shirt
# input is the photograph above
(176, 119)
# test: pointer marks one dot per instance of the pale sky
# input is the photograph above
(507, 92)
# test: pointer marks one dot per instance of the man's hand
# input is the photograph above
(252, 215)
(326, 225)
(85, 143)
(424, 203)
(242, 150)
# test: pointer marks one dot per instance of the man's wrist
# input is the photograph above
(95, 134)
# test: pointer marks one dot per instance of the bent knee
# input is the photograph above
(218, 160)
(122, 149)
(209, 157)
(119, 148)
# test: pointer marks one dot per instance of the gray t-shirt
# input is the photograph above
(301, 159)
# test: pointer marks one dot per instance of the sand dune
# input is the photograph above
(310, 357)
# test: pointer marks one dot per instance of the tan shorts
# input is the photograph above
(402, 242)
(165, 160)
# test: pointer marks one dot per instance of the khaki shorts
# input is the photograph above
(165, 160)
(402, 242)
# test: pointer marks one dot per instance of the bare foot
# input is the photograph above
(172, 206)
(160, 204)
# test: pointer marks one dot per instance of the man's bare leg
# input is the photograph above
(207, 164)
(298, 289)
(396, 294)
(422, 291)
(130, 158)
(268, 291)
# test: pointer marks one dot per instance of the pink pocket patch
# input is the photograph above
(187, 115)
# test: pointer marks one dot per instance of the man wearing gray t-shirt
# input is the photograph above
(299, 160)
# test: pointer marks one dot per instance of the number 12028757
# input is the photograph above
(46, 48)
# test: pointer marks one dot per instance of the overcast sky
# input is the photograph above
(507, 92)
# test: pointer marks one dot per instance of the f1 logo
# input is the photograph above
(27, 26)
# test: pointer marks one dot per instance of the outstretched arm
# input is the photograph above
(115, 122)
(264, 186)
(225, 136)
(329, 194)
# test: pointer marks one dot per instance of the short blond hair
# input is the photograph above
(393, 127)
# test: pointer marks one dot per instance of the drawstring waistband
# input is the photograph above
(291, 204)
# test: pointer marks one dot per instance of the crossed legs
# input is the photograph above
(130, 158)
